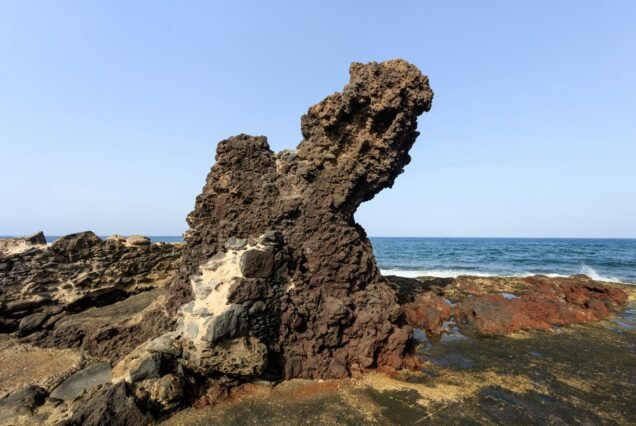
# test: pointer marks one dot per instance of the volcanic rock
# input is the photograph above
(329, 309)
(108, 405)
(428, 311)
(496, 306)
(43, 284)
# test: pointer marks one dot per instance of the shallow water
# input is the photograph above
(576, 375)
(582, 374)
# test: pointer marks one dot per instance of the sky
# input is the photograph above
(110, 111)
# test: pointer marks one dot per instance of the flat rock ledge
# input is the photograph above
(41, 284)
(500, 306)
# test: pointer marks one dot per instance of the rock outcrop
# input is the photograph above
(39, 284)
(498, 306)
(273, 252)
(9, 246)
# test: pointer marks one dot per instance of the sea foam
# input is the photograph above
(453, 273)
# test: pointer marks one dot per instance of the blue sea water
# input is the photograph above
(604, 259)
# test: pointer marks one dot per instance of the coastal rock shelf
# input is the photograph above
(41, 284)
(499, 306)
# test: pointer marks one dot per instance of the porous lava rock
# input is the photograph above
(334, 312)
(40, 284)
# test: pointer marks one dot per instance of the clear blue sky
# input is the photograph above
(110, 111)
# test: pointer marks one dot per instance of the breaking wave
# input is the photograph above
(453, 273)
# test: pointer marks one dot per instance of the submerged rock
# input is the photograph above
(85, 379)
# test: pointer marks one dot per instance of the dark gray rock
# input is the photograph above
(234, 243)
(22, 305)
(32, 322)
(231, 323)
(21, 403)
(108, 405)
(246, 289)
(88, 378)
(257, 263)
(257, 307)
(271, 237)
(164, 344)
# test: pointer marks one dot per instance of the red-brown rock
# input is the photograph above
(428, 311)
(336, 311)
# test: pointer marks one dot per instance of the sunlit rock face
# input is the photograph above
(41, 283)
(276, 232)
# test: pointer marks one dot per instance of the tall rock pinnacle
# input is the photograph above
(273, 252)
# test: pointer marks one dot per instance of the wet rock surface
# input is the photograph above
(500, 306)
(277, 281)
(582, 374)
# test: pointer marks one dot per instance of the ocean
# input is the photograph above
(603, 259)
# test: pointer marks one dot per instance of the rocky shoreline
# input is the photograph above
(275, 284)
(71, 379)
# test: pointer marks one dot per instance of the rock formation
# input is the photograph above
(498, 306)
(273, 252)
(39, 284)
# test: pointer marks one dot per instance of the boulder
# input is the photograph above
(110, 404)
(76, 246)
(138, 240)
(429, 312)
(32, 322)
(234, 243)
(257, 263)
(231, 323)
(164, 344)
(138, 365)
(244, 356)
(166, 393)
